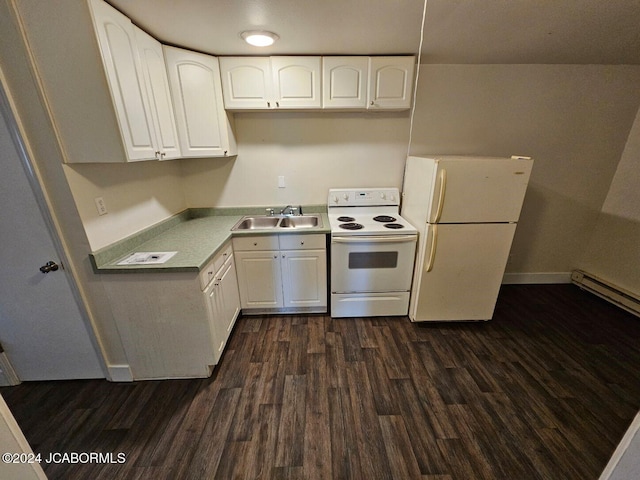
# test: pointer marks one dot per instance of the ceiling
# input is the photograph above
(455, 31)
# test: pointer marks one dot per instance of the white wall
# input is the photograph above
(613, 250)
(313, 151)
(574, 120)
(137, 195)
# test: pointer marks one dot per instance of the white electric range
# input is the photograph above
(372, 253)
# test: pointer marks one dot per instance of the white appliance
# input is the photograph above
(466, 210)
(372, 253)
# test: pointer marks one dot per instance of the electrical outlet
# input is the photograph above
(101, 206)
(281, 182)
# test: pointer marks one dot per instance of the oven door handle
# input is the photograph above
(365, 239)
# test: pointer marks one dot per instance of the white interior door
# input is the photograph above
(462, 271)
(42, 328)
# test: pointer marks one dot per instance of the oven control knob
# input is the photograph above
(346, 196)
(383, 195)
(334, 199)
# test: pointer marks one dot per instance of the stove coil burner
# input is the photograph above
(384, 219)
(351, 226)
(394, 226)
(346, 219)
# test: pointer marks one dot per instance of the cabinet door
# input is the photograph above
(122, 65)
(157, 86)
(390, 82)
(194, 79)
(296, 82)
(228, 282)
(344, 82)
(259, 279)
(246, 82)
(213, 295)
(304, 278)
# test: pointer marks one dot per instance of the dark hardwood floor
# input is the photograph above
(544, 391)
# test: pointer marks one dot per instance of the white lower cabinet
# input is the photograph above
(223, 303)
(282, 273)
(175, 325)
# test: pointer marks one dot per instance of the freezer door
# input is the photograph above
(477, 190)
(461, 272)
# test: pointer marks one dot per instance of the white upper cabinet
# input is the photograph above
(204, 129)
(159, 95)
(296, 82)
(344, 81)
(246, 82)
(116, 38)
(340, 82)
(390, 82)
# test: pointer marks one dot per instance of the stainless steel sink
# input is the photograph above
(266, 222)
(302, 221)
(254, 223)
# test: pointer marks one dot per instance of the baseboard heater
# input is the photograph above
(607, 290)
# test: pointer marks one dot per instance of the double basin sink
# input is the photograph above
(265, 222)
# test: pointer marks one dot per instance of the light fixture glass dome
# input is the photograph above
(259, 38)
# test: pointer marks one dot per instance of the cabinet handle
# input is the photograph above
(268, 104)
(157, 155)
(162, 155)
(282, 255)
(225, 153)
(278, 104)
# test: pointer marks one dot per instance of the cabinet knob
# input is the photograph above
(301, 243)
(225, 153)
(268, 104)
(372, 103)
(278, 104)
(162, 155)
(283, 255)
(255, 244)
(275, 256)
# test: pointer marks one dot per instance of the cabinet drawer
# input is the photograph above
(207, 274)
(302, 242)
(215, 264)
(266, 242)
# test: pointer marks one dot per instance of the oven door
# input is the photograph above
(371, 263)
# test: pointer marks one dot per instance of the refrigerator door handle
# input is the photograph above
(432, 253)
(443, 188)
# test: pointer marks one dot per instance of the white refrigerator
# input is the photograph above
(466, 210)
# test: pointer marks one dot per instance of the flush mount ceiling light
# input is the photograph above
(259, 38)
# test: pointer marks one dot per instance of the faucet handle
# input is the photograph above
(270, 211)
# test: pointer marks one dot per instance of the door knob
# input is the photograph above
(49, 266)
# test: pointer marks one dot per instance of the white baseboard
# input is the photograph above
(630, 436)
(8, 376)
(539, 277)
(120, 373)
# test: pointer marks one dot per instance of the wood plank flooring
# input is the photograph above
(544, 391)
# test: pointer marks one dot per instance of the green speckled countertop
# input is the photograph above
(196, 234)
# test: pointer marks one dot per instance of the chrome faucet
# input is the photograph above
(291, 210)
